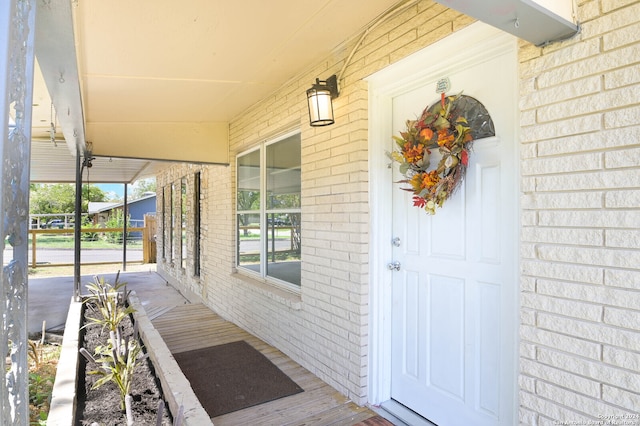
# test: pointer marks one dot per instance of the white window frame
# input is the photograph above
(262, 212)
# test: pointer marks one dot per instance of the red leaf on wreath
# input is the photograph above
(419, 201)
(464, 157)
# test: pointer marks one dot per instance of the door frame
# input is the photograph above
(475, 44)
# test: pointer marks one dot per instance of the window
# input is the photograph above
(268, 210)
(172, 226)
(196, 225)
(183, 222)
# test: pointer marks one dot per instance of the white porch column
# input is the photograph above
(17, 25)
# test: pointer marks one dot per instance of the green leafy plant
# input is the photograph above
(118, 359)
(108, 303)
(117, 220)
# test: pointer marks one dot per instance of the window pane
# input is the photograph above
(283, 247)
(249, 181)
(283, 174)
(183, 222)
(196, 225)
(249, 241)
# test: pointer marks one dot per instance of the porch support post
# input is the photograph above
(124, 230)
(17, 25)
(77, 228)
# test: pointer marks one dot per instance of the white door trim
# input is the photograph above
(476, 43)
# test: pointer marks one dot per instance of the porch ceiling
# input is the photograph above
(161, 79)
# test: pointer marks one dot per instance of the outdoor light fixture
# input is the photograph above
(319, 98)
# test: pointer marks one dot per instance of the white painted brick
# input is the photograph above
(622, 117)
(590, 256)
(621, 77)
(589, 406)
(571, 236)
(593, 65)
(592, 332)
(526, 383)
(558, 60)
(527, 417)
(550, 410)
(617, 179)
(562, 128)
(620, 18)
(528, 150)
(527, 251)
(559, 341)
(623, 238)
(610, 5)
(528, 218)
(527, 118)
(600, 294)
(582, 274)
(528, 184)
(568, 91)
(562, 200)
(590, 219)
(527, 284)
(572, 308)
(623, 398)
(574, 163)
(590, 141)
(527, 316)
(527, 350)
(622, 199)
(588, 10)
(591, 369)
(621, 358)
(559, 377)
(622, 278)
(622, 318)
(625, 158)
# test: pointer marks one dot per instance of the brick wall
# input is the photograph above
(580, 282)
(325, 327)
(580, 116)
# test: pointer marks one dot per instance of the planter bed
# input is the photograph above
(175, 388)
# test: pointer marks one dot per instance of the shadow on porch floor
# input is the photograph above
(185, 326)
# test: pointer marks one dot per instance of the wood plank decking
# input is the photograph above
(194, 326)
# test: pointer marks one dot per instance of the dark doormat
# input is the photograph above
(233, 376)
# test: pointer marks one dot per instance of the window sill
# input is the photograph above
(290, 299)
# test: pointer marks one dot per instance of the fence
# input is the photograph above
(55, 247)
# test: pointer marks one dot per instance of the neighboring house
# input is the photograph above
(136, 209)
(518, 302)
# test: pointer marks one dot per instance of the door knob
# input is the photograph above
(394, 266)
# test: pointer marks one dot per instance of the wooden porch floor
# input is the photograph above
(194, 326)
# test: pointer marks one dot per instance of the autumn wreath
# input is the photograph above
(439, 126)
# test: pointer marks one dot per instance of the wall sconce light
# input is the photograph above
(319, 99)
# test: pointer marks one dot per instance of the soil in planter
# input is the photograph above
(102, 405)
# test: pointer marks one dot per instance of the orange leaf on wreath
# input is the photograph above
(464, 157)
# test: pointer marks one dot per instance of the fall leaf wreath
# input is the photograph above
(439, 126)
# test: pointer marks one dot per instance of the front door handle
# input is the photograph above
(394, 266)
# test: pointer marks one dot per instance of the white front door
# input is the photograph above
(454, 297)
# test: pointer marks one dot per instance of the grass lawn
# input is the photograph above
(64, 241)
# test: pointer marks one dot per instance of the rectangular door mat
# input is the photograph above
(233, 376)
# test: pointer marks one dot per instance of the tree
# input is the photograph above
(60, 198)
(141, 186)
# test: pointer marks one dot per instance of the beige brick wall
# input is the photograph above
(580, 118)
(325, 327)
(580, 215)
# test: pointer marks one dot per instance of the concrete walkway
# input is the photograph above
(48, 298)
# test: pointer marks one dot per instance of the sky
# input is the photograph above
(117, 188)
